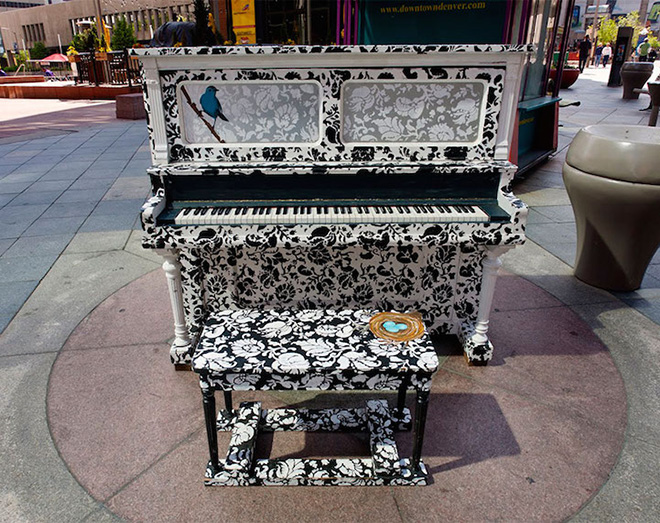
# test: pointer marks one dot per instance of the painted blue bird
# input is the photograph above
(211, 105)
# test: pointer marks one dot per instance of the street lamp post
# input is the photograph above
(594, 32)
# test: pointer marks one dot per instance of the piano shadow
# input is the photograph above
(450, 431)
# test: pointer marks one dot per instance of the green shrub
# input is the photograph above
(122, 35)
(86, 42)
(39, 51)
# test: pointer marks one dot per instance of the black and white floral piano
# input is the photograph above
(367, 177)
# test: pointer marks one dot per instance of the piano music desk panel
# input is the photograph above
(318, 116)
(315, 111)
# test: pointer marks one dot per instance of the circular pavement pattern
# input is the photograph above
(532, 436)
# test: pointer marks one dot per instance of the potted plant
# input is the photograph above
(72, 54)
(569, 74)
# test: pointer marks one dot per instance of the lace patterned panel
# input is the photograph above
(445, 112)
(256, 113)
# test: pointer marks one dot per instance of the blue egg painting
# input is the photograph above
(392, 327)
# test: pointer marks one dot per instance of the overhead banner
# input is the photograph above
(432, 22)
(243, 21)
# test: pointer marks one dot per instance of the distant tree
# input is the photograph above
(607, 31)
(202, 34)
(653, 40)
(122, 35)
(79, 43)
(39, 51)
(87, 41)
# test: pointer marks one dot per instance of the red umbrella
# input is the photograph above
(57, 57)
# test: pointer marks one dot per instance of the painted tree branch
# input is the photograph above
(199, 113)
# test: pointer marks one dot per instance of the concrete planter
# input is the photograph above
(634, 75)
(612, 176)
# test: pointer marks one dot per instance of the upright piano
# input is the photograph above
(333, 177)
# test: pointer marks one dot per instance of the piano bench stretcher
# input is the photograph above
(311, 350)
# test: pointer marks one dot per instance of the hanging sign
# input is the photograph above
(243, 21)
(432, 21)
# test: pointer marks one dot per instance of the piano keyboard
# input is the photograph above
(330, 214)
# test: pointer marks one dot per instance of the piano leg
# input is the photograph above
(181, 346)
(477, 348)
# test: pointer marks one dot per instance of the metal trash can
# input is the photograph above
(612, 176)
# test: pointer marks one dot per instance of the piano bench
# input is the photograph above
(243, 350)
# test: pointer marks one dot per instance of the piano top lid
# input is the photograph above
(251, 50)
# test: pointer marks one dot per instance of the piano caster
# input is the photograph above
(477, 353)
(474, 363)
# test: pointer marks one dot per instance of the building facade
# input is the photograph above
(59, 22)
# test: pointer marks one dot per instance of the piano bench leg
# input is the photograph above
(208, 401)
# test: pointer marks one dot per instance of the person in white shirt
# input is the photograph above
(607, 52)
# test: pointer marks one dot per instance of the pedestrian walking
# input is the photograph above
(585, 47)
(643, 50)
(597, 54)
(607, 52)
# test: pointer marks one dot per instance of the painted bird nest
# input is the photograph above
(397, 326)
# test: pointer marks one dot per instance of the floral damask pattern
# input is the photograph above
(251, 349)
(330, 147)
(432, 268)
(330, 50)
(420, 112)
(259, 112)
(355, 472)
